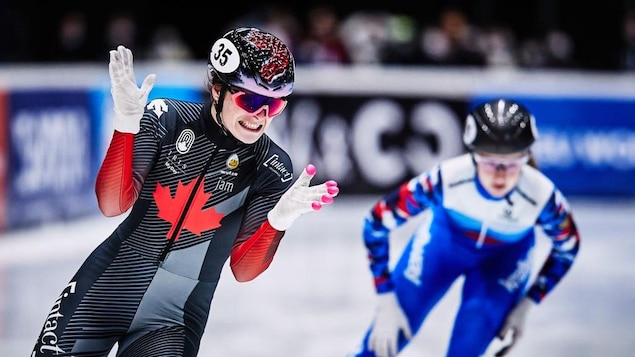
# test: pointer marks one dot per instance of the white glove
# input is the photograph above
(301, 198)
(128, 100)
(514, 323)
(389, 321)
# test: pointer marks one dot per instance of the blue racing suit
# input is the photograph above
(469, 234)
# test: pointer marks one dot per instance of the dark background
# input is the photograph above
(29, 27)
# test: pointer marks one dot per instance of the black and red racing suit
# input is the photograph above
(198, 196)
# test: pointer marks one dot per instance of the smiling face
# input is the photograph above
(499, 173)
(243, 125)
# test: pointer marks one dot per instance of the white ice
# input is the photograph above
(316, 299)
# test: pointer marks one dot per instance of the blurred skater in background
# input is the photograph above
(484, 206)
(203, 183)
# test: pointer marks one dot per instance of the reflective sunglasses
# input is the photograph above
(252, 102)
(493, 164)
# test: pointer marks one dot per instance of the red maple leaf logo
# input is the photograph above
(197, 220)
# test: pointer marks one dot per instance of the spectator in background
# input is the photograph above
(322, 43)
(454, 41)
(499, 47)
(121, 29)
(628, 30)
(363, 34)
(560, 50)
(554, 50)
(401, 46)
(532, 53)
(167, 44)
(282, 22)
(72, 39)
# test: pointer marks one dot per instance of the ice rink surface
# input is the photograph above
(317, 299)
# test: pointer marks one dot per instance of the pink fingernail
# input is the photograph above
(333, 190)
(316, 206)
(327, 199)
(330, 183)
(310, 169)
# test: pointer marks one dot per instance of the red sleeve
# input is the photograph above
(114, 187)
(253, 256)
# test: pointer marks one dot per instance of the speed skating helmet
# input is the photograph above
(500, 126)
(254, 60)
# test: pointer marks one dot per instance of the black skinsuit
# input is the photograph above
(199, 196)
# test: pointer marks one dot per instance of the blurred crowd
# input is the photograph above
(323, 37)
(452, 39)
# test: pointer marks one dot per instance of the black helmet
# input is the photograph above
(500, 126)
(254, 60)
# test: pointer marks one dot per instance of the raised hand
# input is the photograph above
(129, 100)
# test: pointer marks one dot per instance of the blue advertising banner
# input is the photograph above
(4, 159)
(51, 165)
(372, 143)
(192, 94)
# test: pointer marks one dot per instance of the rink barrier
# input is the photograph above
(370, 128)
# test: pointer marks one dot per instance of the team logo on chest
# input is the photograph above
(186, 209)
(508, 213)
(185, 141)
(274, 164)
(232, 162)
(230, 165)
